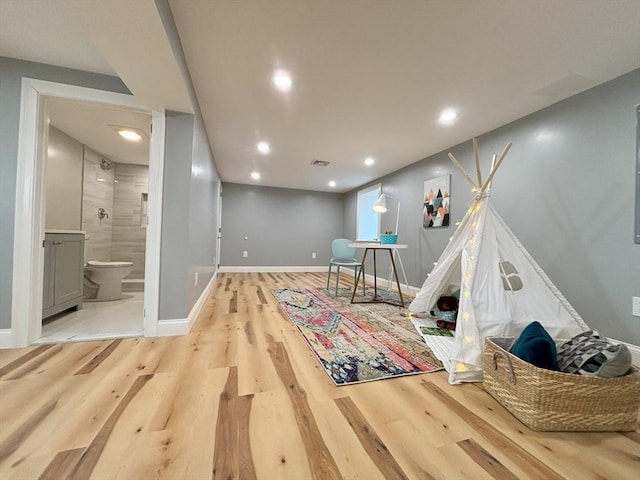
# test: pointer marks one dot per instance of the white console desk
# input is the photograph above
(374, 247)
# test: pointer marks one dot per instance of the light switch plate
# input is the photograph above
(635, 309)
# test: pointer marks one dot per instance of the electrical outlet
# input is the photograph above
(195, 283)
(313, 255)
(245, 254)
(635, 309)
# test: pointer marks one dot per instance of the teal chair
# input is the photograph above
(344, 256)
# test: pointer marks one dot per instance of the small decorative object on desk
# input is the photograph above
(388, 237)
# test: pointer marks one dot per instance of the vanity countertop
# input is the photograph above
(77, 232)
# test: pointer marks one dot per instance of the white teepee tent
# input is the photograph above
(502, 289)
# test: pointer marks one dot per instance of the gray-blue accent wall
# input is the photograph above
(566, 189)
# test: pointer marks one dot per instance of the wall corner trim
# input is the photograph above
(182, 326)
(6, 338)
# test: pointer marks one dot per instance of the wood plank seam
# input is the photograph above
(15, 439)
(370, 441)
(24, 359)
(321, 462)
(528, 462)
(99, 358)
(92, 453)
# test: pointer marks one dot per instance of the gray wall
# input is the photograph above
(196, 196)
(282, 226)
(189, 216)
(174, 250)
(566, 189)
(203, 214)
(11, 73)
(63, 181)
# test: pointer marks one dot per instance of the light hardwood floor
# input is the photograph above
(242, 396)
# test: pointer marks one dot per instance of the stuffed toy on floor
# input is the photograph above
(446, 312)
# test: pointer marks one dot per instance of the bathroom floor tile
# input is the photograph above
(97, 320)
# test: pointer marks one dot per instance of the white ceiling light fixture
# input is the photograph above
(282, 80)
(255, 175)
(263, 147)
(332, 184)
(369, 161)
(129, 133)
(448, 116)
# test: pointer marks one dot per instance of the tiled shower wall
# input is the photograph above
(129, 236)
(97, 192)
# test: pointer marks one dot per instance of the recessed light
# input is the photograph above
(369, 161)
(255, 175)
(133, 134)
(448, 116)
(130, 135)
(263, 147)
(332, 184)
(282, 80)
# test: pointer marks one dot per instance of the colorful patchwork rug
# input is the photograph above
(356, 342)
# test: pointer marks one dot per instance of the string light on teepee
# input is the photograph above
(464, 257)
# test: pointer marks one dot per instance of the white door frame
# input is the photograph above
(28, 254)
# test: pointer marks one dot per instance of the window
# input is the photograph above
(368, 220)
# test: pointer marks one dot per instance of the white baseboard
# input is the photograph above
(171, 328)
(275, 269)
(634, 349)
(182, 326)
(195, 310)
(384, 283)
(6, 338)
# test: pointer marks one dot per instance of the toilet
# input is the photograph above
(103, 280)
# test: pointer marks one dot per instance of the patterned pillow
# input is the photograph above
(590, 353)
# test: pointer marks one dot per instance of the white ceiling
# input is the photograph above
(370, 76)
(95, 125)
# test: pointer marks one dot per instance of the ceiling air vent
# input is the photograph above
(319, 163)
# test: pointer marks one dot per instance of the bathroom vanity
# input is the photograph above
(63, 271)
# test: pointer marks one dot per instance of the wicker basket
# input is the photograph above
(546, 400)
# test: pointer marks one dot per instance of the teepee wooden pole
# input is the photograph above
(493, 165)
(477, 157)
(459, 167)
(494, 169)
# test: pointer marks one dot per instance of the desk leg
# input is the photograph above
(361, 272)
(375, 275)
(396, 253)
(393, 263)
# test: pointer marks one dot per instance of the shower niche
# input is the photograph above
(144, 210)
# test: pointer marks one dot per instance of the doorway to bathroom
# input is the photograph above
(96, 179)
(76, 181)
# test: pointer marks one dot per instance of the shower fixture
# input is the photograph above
(102, 213)
(106, 164)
